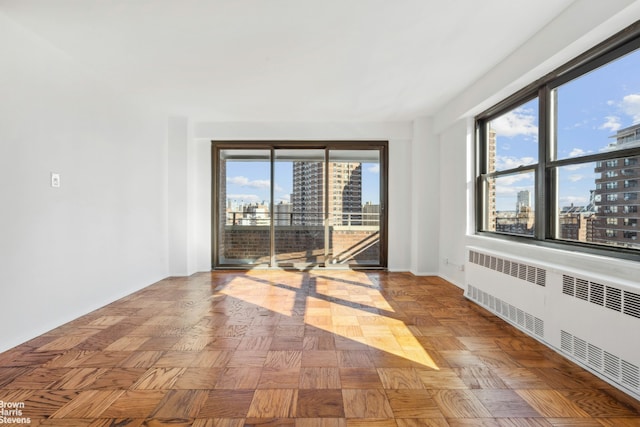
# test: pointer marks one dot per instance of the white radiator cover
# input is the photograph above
(594, 321)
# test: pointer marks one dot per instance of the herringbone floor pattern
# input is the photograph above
(317, 348)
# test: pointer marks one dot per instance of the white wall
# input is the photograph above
(455, 202)
(580, 27)
(101, 235)
(399, 135)
(178, 200)
(425, 198)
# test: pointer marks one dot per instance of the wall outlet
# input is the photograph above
(55, 180)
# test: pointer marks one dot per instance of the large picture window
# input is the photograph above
(297, 205)
(558, 163)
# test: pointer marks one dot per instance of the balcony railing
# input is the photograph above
(348, 219)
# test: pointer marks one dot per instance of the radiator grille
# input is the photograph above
(526, 272)
(594, 297)
(597, 293)
(610, 365)
(614, 298)
(508, 311)
(632, 304)
(608, 296)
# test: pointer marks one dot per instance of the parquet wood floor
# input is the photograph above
(305, 349)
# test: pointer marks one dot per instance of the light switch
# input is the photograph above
(55, 180)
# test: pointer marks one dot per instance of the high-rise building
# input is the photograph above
(616, 196)
(524, 201)
(371, 214)
(283, 214)
(345, 193)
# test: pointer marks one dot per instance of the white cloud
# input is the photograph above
(611, 102)
(576, 152)
(517, 122)
(238, 180)
(631, 106)
(578, 124)
(374, 168)
(507, 162)
(243, 181)
(612, 123)
(576, 178)
(506, 182)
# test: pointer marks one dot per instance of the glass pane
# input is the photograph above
(599, 111)
(244, 197)
(299, 207)
(599, 202)
(512, 138)
(510, 204)
(354, 207)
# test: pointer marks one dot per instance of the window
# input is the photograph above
(511, 164)
(554, 157)
(278, 204)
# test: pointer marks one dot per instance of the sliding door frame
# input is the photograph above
(272, 146)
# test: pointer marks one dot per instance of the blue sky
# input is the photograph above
(248, 182)
(590, 110)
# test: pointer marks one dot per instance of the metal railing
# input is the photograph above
(349, 219)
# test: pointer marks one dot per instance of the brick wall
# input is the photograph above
(301, 244)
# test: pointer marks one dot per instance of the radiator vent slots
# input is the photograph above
(528, 273)
(507, 311)
(613, 298)
(591, 319)
(618, 370)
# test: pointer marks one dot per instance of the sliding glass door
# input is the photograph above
(300, 217)
(297, 205)
(354, 207)
(243, 207)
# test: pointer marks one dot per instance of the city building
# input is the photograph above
(283, 214)
(617, 194)
(524, 201)
(573, 223)
(370, 214)
(345, 198)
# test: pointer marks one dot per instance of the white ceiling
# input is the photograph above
(288, 60)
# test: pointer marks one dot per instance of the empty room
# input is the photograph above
(320, 213)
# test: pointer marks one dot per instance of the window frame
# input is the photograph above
(217, 146)
(546, 169)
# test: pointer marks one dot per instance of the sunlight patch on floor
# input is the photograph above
(347, 305)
